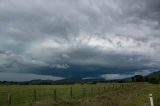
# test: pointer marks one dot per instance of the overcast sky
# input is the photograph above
(79, 38)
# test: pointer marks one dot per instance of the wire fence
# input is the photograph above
(27, 97)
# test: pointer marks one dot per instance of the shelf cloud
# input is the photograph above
(79, 38)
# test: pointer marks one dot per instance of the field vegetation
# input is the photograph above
(101, 94)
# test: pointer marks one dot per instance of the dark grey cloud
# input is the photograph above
(106, 37)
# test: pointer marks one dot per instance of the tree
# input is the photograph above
(153, 80)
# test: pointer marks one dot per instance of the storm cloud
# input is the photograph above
(80, 38)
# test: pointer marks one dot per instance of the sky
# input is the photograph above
(60, 39)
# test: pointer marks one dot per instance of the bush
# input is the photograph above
(153, 80)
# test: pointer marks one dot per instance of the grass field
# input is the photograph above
(128, 94)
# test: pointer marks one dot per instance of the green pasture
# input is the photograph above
(26, 95)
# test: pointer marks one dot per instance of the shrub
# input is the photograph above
(153, 80)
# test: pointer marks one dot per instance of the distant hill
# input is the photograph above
(81, 80)
(154, 74)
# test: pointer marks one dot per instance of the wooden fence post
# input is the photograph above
(104, 88)
(120, 85)
(98, 90)
(151, 99)
(71, 93)
(35, 95)
(55, 94)
(84, 92)
(9, 100)
(113, 86)
(91, 91)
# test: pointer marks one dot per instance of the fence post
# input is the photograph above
(91, 91)
(9, 100)
(113, 87)
(55, 94)
(151, 99)
(120, 85)
(99, 90)
(104, 88)
(71, 94)
(84, 92)
(35, 96)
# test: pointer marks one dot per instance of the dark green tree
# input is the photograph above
(153, 80)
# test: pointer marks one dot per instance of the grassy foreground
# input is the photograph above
(80, 95)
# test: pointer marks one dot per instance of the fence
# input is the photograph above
(18, 97)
